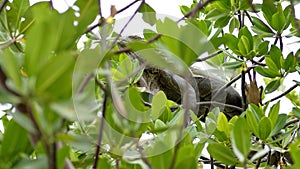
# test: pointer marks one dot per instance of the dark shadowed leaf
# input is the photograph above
(222, 153)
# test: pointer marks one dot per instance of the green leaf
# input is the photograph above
(222, 124)
(231, 41)
(88, 10)
(245, 32)
(278, 21)
(135, 108)
(296, 112)
(280, 123)
(180, 41)
(289, 63)
(160, 125)
(149, 15)
(222, 21)
(16, 12)
(104, 162)
(15, 141)
(233, 65)
(268, 9)
(41, 46)
(271, 64)
(260, 25)
(62, 154)
(265, 128)
(263, 48)
(234, 24)
(267, 72)
(184, 9)
(272, 86)
(252, 122)
(276, 56)
(274, 113)
(54, 70)
(210, 126)
(186, 157)
(222, 153)
(11, 65)
(159, 102)
(241, 139)
(148, 33)
(244, 45)
(294, 150)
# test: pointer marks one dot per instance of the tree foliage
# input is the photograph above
(73, 96)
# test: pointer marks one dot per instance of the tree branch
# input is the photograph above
(100, 135)
(193, 12)
(3, 5)
(99, 6)
(283, 94)
(126, 24)
(211, 55)
(220, 104)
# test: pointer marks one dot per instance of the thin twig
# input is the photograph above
(182, 127)
(100, 135)
(3, 5)
(243, 84)
(127, 23)
(220, 104)
(128, 6)
(99, 6)
(233, 80)
(193, 12)
(140, 68)
(283, 94)
(212, 165)
(206, 160)
(85, 82)
(280, 42)
(143, 157)
(210, 56)
(101, 23)
(3, 79)
(291, 122)
(258, 63)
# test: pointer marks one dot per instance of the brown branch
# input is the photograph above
(3, 79)
(103, 20)
(99, 6)
(85, 82)
(143, 157)
(126, 24)
(220, 104)
(101, 23)
(193, 12)
(233, 80)
(211, 55)
(3, 5)
(243, 84)
(128, 6)
(100, 135)
(283, 94)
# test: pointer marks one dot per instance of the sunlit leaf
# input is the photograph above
(149, 14)
(240, 139)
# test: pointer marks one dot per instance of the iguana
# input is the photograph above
(155, 79)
